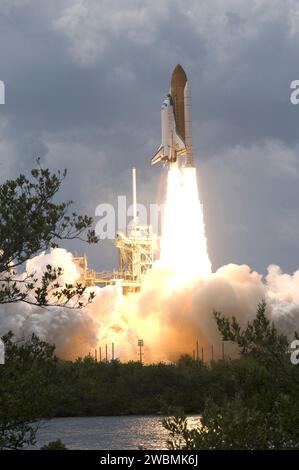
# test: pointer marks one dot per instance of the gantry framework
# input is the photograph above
(136, 257)
(136, 254)
(137, 247)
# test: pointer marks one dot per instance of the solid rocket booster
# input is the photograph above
(188, 125)
(176, 122)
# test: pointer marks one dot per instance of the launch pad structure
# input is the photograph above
(136, 248)
(136, 255)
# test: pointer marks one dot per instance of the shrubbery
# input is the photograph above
(263, 412)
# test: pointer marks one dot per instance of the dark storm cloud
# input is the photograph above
(84, 83)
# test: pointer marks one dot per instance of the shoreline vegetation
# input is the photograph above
(250, 402)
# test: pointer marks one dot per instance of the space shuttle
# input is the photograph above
(176, 123)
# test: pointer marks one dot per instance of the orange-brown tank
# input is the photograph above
(178, 82)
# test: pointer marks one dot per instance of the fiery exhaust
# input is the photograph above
(183, 243)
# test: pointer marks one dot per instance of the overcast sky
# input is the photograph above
(84, 85)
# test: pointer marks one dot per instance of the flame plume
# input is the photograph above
(183, 242)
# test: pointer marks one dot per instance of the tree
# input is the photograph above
(54, 445)
(263, 413)
(31, 222)
(26, 390)
(259, 337)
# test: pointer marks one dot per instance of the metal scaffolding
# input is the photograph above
(136, 255)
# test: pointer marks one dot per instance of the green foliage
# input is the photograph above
(91, 388)
(260, 337)
(31, 222)
(261, 411)
(180, 436)
(54, 445)
(26, 390)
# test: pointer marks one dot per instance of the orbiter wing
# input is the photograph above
(158, 156)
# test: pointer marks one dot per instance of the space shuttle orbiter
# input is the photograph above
(176, 122)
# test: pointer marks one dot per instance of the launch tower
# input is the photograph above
(136, 249)
(136, 246)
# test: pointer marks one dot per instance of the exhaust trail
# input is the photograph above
(183, 242)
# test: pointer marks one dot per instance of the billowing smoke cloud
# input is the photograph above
(169, 318)
(73, 331)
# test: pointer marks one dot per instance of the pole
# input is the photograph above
(223, 350)
(197, 351)
(106, 353)
(100, 352)
(134, 197)
(212, 351)
(96, 355)
(140, 344)
(202, 354)
(112, 351)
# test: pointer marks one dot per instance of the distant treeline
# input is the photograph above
(88, 388)
(33, 375)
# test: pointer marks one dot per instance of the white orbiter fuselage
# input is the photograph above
(176, 122)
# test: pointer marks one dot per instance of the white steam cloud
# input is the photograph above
(169, 319)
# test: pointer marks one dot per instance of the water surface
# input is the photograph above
(107, 432)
